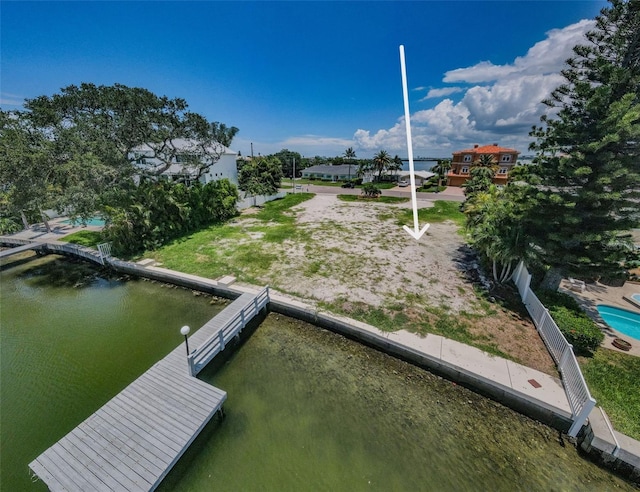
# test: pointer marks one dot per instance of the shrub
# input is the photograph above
(579, 330)
(553, 299)
(370, 190)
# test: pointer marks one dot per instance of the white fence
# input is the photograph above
(580, 400)
(258, 200)
(216, 343)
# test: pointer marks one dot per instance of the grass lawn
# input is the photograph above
(442, 210)
(614, 381)
(380, 199)
(90, 239)
(231, 248)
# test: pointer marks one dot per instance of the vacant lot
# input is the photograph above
(354, 258)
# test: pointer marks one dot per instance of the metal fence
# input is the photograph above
(580, 399)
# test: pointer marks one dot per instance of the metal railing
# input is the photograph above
(105, 251)
(580, 400)
(216, 343)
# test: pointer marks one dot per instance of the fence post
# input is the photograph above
(581, 418)
(192, 369)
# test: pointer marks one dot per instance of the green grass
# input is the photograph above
(90, 239)
(206, 252)
(442, 210)
(278, 210)
(380, 199)
(614, 381)
(436, 321)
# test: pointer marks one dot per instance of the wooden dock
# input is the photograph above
(19, 249)
(133, 441)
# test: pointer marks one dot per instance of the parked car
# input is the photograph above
(348, 184)
(403, 184)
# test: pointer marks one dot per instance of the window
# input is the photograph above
(505, 158)
(502, 170)
(465, 170)
(466, 158)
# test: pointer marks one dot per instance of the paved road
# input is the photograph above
(453, 194)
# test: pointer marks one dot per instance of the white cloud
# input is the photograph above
(501, 105)
(545, 57)
(445, 91)
(7, 99)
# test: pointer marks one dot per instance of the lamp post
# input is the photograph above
(185, 331)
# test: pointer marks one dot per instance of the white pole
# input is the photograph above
(407, 123)
(294, 174)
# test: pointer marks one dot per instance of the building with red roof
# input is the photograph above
(463, 160)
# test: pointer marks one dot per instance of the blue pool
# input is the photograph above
(622, 320)
(93, 221)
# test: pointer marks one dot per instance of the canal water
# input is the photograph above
(306, 409)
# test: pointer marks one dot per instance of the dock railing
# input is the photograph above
(216, 343)
(580, 400)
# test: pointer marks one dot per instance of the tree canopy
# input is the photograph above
(571, 210)
(85, 143)
(261, 175)
(585, 184)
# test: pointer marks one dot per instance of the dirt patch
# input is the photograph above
(354, 256)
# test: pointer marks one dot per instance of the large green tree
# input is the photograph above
(26, 172)
(261, 175)
(381, 163)
(93, 140)
(288, 158)
(585, 184)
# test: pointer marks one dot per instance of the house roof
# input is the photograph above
(487, 149)
(331, 170)
(421, 174)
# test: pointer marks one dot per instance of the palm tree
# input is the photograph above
(485, 160)
(441, 169)
(396, 164)
(350, 154)
(381, 162)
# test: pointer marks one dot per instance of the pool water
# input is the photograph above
(636, 297)
(93, 221)
(622, 320)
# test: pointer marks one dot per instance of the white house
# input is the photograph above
(179, 157)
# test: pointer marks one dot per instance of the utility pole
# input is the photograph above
(294, 175)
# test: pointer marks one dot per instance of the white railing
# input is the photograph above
(216, 343)
(105, 251)
(580, 400)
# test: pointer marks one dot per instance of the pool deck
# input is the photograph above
(596, 293)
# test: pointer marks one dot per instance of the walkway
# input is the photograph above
(133, 441)
(19, 249)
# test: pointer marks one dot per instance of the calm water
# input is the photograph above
(66, 350)
(307, 409)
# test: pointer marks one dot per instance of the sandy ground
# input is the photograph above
(357, 253)
(363, 253)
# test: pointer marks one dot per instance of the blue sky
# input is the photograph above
(313, 77)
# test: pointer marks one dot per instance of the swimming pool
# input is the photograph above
(622, 320)
(635, 297)
(93, 221)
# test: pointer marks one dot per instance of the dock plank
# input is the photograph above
(132, 441)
